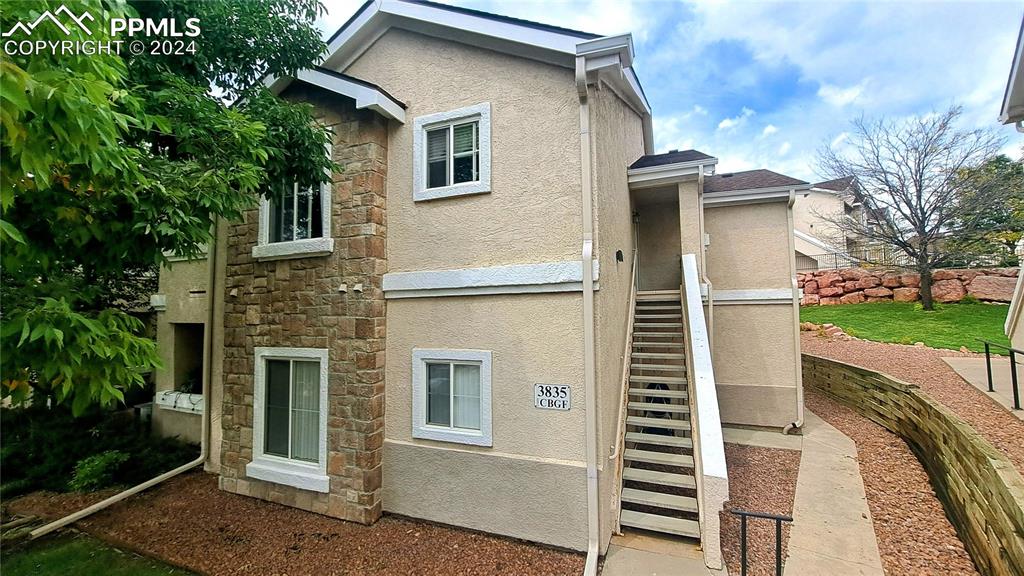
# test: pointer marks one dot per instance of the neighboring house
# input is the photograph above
(480, 321)
(819, 242)
(1012, 112)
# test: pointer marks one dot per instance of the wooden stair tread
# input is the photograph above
(658, 393)
(659, 439)
(659, 478)
(645, 521)
(667, 423)
(663, 458)
(658, 407)
(659, 500)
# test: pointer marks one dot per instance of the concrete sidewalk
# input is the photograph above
(643, 554)
(832, 532)
(973, 370)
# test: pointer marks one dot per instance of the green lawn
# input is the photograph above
(949, 326)
(80, 555)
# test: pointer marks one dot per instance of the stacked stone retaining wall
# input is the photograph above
(980, 489)
(856, 285)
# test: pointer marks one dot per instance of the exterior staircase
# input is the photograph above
(658, 485)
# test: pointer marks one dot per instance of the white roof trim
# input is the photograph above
(650, 176)
(550, 46)
(752, 195)
(365, 96)
(1013, 99)
(814, 241)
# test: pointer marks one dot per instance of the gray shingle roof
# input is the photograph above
(837, 185)
(749, 180)
(671, 157)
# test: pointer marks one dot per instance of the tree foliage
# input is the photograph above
(995, 242)
(110, 162)
(912, 175)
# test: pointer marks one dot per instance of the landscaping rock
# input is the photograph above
(891, 281)
(829, 279)
(828, 301)
(810, 300)
(868, 282)
(852, 298)
(830, 291)
(878, 292)
(811, 287)
(854, 273)
(910, 280)
(905, 294)
(851, 286)
(994, 288)
(944, 275)
(948, 290)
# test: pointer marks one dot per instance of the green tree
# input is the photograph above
(109, 162)
(1003, 223)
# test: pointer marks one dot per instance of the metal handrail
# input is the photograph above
(1013, 368)
(779, 519)
(620, 440)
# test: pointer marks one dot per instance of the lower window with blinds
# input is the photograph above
(289, 418)
(452, 396)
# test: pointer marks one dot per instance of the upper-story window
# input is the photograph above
(452, 153)
(296, 214)
(295, 222)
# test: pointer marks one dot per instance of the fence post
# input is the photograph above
(988, 368)
(1013, 379)
(743, 545)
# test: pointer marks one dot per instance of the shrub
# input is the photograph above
(97, 471)
(42, 445)
(969, 299)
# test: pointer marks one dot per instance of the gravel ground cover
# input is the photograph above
(924, 367)
(760, 480)
(188, 522)
(914, 535)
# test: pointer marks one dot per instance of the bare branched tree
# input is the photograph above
(909, 174)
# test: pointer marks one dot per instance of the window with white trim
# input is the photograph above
(452, 396)
(289, 418)
(452, 153)
(295, 222)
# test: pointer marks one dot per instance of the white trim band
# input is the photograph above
(754, 296)
(564, 276)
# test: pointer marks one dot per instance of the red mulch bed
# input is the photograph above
(190, 523)
(914, 535)
(760, 480)
(924, 367)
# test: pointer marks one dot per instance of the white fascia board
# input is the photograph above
(365, 96)
(563, 276)
(755, 296)
(1012, 109)
(621, 45)
(666, 174)
(634, 84)
(752, 195)
(815, 241)
(508, 31)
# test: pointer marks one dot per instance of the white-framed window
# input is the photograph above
(290, 418)
(452, 153)
(452, 396)
(295, 222)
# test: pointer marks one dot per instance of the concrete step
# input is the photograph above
(659, 478)
(658, 355)
(659, 407)
(658, 379)
(659, 367)
(656, 523)
(659, 500)
(659, 440)
(657, 393)
(663, 458)
(667, 423)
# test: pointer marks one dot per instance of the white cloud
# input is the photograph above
(731, 123)
(698, 109)
(784, 149)
(769, 130)
(840, 97)
(843, 136)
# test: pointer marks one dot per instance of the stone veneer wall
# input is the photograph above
(981, 490)
(296, 303)
(856, 285)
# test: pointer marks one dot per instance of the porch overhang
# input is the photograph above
(667, 174)
(753, 195)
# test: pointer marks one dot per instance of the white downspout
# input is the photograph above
(589, 385)
(204, 439)
(799, 423)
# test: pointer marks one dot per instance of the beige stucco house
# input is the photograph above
(820, 243)
(1012, 112)
(507, 312)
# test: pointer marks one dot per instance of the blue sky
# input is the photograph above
(765, 84)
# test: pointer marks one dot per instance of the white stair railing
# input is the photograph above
(706, 425)
(620, 440)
